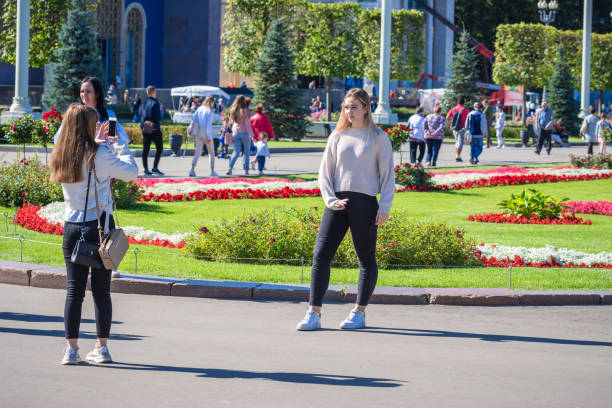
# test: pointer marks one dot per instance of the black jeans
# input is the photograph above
(359, 215)
(155, 137)
(413, 151)
(590, 148)
(545, 136)
(433, 148)
(76, 282)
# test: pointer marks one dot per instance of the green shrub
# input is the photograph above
(126, 193)
(534, 203)
(135, 133)
(410, 176)
(602, 161)
(27, 181)
(290, 234)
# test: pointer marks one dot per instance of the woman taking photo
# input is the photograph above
(356, 166)
(242, 133)
(77, 152)
(203, 118)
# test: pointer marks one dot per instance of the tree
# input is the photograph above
(246, 24)
(276, 86)
(561, 94)
(407, 44)
(463, 75)
(77, 57)
(329, 43)
(46, 19)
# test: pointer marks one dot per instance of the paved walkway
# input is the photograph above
(202, 352)
(299, 162)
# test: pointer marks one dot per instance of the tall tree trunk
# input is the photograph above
(328, 97)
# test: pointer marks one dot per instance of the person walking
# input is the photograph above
(602, 126)
(242, 132)
(476, 124)
(417, 137)
(260, 124)
(587, 130)
(136, 108)
(83, 149)
(434, 126)
(544, 124)
(262, 152)
(489, 113)
(456, 120)
(150, 124)
(500, 123)
(356, 166)
(203, 121)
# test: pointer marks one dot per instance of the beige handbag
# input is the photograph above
(114, 244)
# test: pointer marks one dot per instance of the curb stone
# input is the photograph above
(42, 276)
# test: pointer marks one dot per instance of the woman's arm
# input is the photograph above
(386, 172)
(122, 166)
(247, 122)
(327, 171)
(440, 128)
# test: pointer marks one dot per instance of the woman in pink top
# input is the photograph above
(261, 123)
(242, 131)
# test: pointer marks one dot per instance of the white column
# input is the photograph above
(585, 94)
(21, 101)
(429, 35)
(383, 112)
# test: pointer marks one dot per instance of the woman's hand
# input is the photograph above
(381, 218)
(341, 204)
(102, 134)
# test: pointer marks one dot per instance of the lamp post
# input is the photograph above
(585, 83)
(548, 12)
(383, 113)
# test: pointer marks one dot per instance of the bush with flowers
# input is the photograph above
(398, 135)
(126, 193)
(20, 131)
(413, 177)
(44, 129)
(285, 236)
(27, 181)
(599, 160)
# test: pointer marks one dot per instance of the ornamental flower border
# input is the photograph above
(503, 218)
(589, 207)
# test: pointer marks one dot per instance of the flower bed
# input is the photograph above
(503, 218)
(49, 220)
(241, 188)
(548, 257)
(589, 207)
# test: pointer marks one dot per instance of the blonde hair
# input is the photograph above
(209, 101)
(150, 89)
(363, 97)
(76, 140)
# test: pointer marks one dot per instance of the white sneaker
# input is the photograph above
(99, 355)
(71, 357)
(312, 321)
(192, 173)
(252, 165)
(504, 146)
(213, 174)
(355, 320)
(499, 147)
(115, 274)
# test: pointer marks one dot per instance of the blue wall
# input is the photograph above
(154, 10)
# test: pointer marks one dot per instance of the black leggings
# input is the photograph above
(359, 215)
(76, 282)
(155, 137)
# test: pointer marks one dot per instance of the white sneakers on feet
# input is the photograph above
(312, 321)
(71, 357)
(192, 173)
(99, 355)
(355, 320)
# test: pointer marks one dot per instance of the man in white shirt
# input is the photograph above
(417, 137)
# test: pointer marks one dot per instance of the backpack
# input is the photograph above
(475, 125)
(456, 123)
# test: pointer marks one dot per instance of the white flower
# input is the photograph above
(534, 255)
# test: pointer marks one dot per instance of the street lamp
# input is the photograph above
(547, 11)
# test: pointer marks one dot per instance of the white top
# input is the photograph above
(204, 117)
(262, 149)
(500, 120)
(416, 124)
(358, 160)
(122, 138)
(108, 165)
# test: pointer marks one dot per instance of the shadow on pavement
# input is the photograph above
(33, 318)
(484, 337)
(61, 333)
(298, 378)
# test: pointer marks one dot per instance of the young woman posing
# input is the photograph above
(356, 166)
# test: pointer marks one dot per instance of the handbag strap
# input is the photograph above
(86, 202)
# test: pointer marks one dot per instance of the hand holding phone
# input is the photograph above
(112, 127)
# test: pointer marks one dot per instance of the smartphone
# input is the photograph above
(112, 127)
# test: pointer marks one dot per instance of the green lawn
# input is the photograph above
(448, 207)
